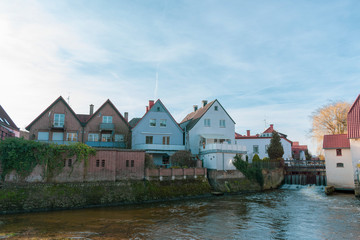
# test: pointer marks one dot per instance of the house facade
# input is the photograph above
(339, 166)
(7, 127)
(60, 124)
(157, 133)
(210, 135)
(258, 144)
(353, 124)
(298, 151)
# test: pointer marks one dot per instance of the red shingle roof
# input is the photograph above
(353, 120)
(270, 129)
(336, 141)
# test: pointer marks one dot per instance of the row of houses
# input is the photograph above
(342, 152)
(208, 132)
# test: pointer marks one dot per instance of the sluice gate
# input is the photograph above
(303, 172)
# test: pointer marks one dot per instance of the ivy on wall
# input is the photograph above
(251, 171)
(23, 155)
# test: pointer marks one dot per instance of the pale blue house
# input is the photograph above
(157, 133)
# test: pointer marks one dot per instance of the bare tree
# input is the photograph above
(329, 119)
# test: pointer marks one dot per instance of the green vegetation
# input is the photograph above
(23, 155)
(256, 158)
(251, 171)
(275, 149)
(183, 159)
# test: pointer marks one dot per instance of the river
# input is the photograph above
(293, 212)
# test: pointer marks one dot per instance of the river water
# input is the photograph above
(293, 212)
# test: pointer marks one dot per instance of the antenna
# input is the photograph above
(68, 98)
(265, 121)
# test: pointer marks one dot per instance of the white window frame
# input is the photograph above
(59, 119)
(152, 122)
(222, 123)
(44, 136)
(106, 137)
(256, 146)
(71, 137)
(149, 137)
(58, 134)
(166, 140)
(93, 137)
(162, 123)
(207, 122)
(107, 119)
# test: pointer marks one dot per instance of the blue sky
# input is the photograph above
(263, 60)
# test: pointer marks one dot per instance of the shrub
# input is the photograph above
(256, 158)
(183, 158)
(251, 172)
(149, 161)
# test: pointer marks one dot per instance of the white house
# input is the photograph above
(339, 167)
(258, 144)
(353, 124)
(157, 133)
(210, 135)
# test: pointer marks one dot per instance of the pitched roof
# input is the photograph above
(48, 108)
(336, 141)
(270, 129)
(134, 121)
(193, 117)
(6, 120)
(83, 117)
(353, 120)
(113, 106)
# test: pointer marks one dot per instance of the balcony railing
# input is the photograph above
(107, 126)
(159, 147)
(107, 144)
(58, 142)
(218, 147)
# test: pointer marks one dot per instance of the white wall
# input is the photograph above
(262, 142)
(337, 176)
(219, 161)
(355, 155)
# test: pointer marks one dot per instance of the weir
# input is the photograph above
(304, 172)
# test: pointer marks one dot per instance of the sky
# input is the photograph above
(266, 61)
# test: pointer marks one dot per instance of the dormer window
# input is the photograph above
(59, 120)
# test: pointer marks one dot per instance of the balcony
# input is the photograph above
(159, 147)
(60, 126)
(223, 147)
(107, 126)
(107, 144)
(60, 142)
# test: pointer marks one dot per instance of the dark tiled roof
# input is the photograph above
(353, 120)
(194, 117)
(134, 121)
(336, 141)
(9, 123)
(83, 117)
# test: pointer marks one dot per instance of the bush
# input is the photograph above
(251, 172)
(183, 159)
(149, 161)
(256, 158)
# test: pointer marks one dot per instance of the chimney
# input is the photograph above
(272, 125)
(195, 108)
(91, 109)
(151, 104)
(248, 133)
(204, 102)
(147, 108)
(126, 116)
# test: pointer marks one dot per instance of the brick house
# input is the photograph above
(60, 124)
(7, 126)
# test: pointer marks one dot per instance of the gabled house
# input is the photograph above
(353, 125)
(106, 127)
(157, 133)
(7, 126)
(210, 135)
(339, 167)
(298, 151)
(258, 144)
(60, 124)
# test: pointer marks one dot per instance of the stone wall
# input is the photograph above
(53, 196)
(174, 173)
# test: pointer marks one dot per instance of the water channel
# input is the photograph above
(293, 212)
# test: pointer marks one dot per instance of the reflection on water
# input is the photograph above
(293, 212)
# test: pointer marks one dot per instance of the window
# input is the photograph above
(222, 123)
(127, 163)
(119, 137)
(207, 122)
(98, 163)
(71, 137)
(338, 152)
(93, 137)
(162, 122)
(107, 119)
(132, 163)
(158, 109)
(102, 163)
(149, 139)
(152, 122)
(59, 120)
(216, 108)
(58, 136)
(69, 162)
(106, 137)
(255, 148)
(166, 159)
(43, 136)
(166, 140)
(340, 165)
(266, 148)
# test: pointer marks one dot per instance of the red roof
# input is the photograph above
(270, 129)
(336, 141)
(353, 120)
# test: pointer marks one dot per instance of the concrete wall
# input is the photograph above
(219, 161)
(174, 173)
(339, 177)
